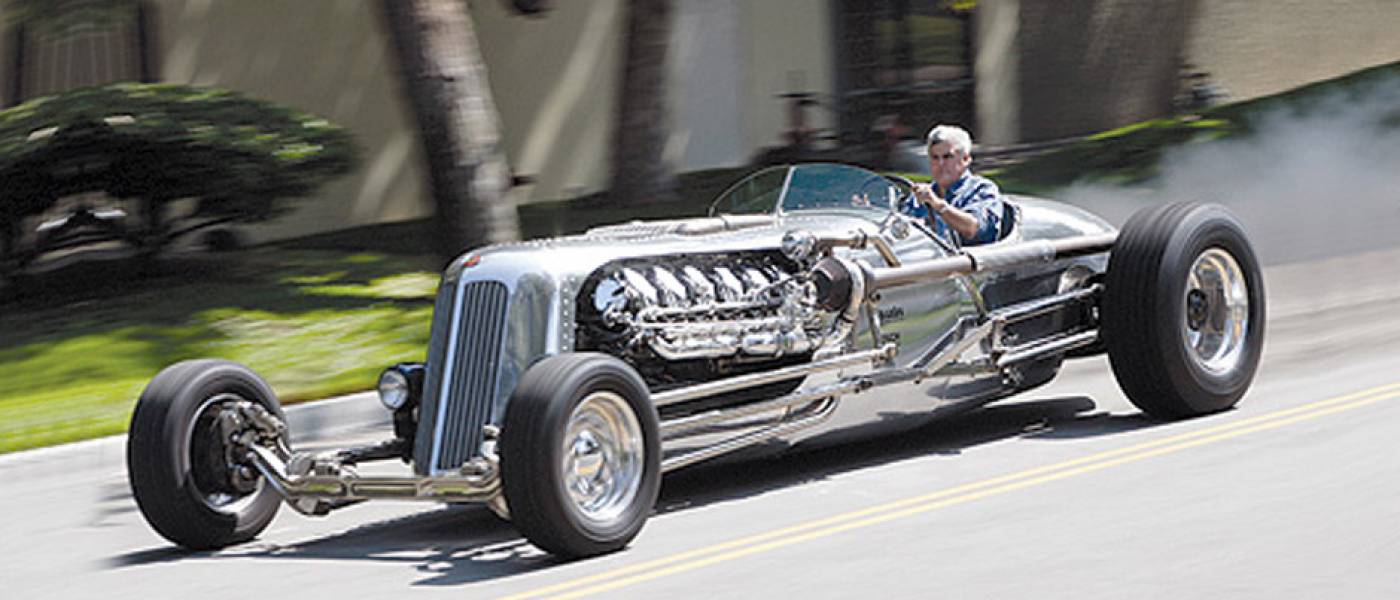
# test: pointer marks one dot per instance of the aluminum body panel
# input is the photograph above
(542, 279)
(934, 316)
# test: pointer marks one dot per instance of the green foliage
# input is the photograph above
(58, 18)
(166, 141)
(314, 323)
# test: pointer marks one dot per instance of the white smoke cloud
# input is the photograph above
(1312, 182)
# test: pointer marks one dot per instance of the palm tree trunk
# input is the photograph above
(445, 80)
(640, 172)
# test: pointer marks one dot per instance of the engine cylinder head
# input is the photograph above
(673, 292)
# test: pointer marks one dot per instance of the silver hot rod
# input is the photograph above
(565, 375)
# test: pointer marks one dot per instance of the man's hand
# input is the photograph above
(961, 221)
(924, 192)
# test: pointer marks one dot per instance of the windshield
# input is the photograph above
(811, 187)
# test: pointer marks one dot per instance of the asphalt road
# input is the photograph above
(1063, 492)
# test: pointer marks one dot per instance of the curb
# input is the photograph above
(312, 421)
(319, 419)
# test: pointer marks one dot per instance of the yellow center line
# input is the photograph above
(881, 513)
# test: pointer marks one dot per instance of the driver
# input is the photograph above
(969, 204)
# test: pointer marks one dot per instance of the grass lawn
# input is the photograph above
(314, 323)
(317, 316)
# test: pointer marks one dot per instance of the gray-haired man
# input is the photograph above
(969, 204)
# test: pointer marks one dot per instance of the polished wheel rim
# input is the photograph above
(1216, 318)
(222, 483)
(602, 450)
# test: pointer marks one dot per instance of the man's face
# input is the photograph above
(947, 163)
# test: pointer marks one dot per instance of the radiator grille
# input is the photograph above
(464, 356)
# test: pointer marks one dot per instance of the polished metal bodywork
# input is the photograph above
(924, 313)
(916, 328)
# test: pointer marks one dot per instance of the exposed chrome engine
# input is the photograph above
(721, 309)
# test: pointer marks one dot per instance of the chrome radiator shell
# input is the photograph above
(463, 366)
(493, 319)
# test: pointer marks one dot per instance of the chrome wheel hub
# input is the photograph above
(602, 457)
(222, 481)
(1216, 316)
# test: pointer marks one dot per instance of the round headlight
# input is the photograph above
(393, 389)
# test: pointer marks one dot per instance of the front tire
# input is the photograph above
(580, 454)
(1182, 316)
(178, 464)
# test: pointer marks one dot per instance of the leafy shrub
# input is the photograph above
(240, 158)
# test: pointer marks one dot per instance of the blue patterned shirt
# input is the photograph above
(974, 194)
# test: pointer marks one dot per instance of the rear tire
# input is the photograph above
(580, 454)
(176, 462)
(1182, 316)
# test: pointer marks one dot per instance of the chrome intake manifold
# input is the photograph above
(691, 311)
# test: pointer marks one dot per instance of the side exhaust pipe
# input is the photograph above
(835, 279)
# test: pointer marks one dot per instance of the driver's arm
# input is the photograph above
(960, 220)
(979, 222)
(963, 222)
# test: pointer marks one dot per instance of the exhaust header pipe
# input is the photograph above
(834, 277)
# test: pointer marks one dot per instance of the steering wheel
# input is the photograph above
(883, 183)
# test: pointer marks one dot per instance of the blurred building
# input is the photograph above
(1011, 70)
(1047, 70)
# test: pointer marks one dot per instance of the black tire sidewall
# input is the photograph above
(1205, 228)
(532, 436)
(604, 379)
(158, 455)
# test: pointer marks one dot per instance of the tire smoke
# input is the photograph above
(1314, 179)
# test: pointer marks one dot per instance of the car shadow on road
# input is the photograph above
(451, 545)
(458, 545)
(1069, 417)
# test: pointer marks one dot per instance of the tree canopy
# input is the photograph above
(162, 142)
(63, 17)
